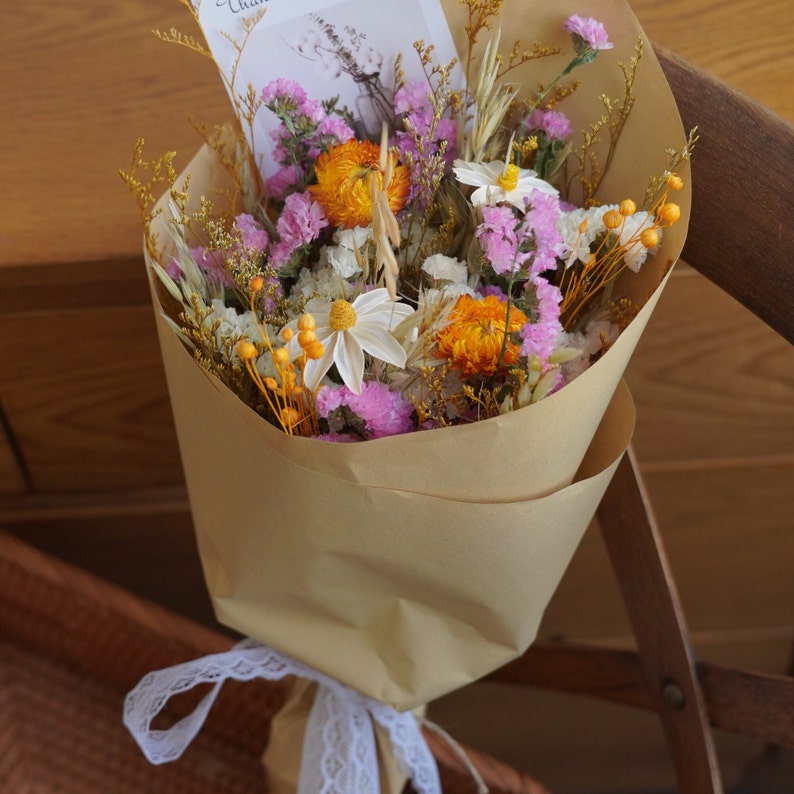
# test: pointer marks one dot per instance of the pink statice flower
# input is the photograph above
(541, 223)
(283, 90)
(300, 223)
(306, 129)
(311, 109)
(423, 137)
(173, 269)
(375, 413)
(554, 125)
(510, 243)
(492, 289)
(542, 333)
(285, 181)
(212, 266)
(500, 240)
(412, 97)
(335, 127)
(587, 34)
(254, 236)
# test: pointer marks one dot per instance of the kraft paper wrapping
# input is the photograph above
(408, 566)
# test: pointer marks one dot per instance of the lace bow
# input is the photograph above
(339, 751)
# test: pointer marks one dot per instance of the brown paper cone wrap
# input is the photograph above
(409, 566)
(401, 595)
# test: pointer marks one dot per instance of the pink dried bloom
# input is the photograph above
(338, 438)
(555, 125)
(300, 223)
(541, 224)
(421, 140)
(284, 181)
(412, 96)
(382, 412)
(499, 240)
(282, 89)
(492, 289)
(254, 236)
(311, 109)
(540, 336)
(335, 127)
(587, 31)
(212, 265)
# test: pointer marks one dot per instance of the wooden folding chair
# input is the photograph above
(750, 260)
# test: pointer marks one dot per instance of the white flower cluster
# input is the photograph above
(578, 242)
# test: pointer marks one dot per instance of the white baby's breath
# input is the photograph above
(342, 256)
(577, 240)
(320, 282)
(446, 268)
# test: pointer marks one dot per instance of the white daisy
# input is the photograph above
(497, 182)
(348, 330)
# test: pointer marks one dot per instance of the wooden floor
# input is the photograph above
(89, 467)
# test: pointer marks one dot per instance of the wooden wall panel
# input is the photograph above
(147, 548)
(86, 397)
(746, 43)
(84, 80)
(730, 538)
(710, 380)
(728, 534)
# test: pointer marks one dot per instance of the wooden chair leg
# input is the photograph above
(638, 558)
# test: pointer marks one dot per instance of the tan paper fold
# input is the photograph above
(409, 566)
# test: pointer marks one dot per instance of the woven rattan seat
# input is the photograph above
(72, 646)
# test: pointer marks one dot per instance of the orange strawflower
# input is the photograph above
(474, 338)
(343, 183)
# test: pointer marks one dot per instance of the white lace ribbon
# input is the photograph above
(339, 751)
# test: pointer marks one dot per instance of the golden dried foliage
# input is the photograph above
(591, 166)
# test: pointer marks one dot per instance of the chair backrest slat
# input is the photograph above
(741, 233)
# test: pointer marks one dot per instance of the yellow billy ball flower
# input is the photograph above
(305, 338)
(246, 351)
(649, 237)
(675, 182)
(627, 207)
(289, 416)
(306, 322)
(475, 336)
(343, 183)
(669, 212)
(612, 219)
(280, 356)
(314, 350)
